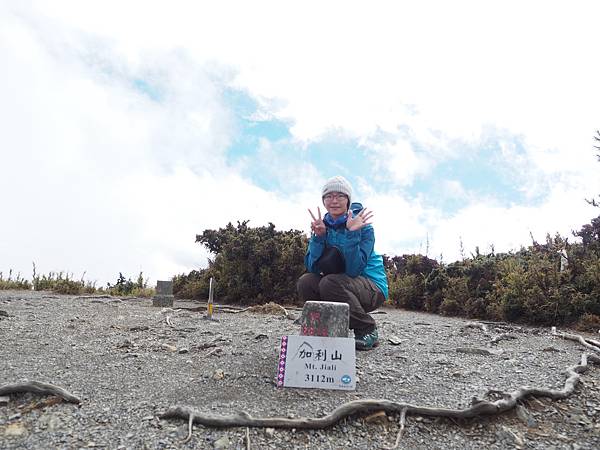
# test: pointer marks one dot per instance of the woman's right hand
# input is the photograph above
(317, 225)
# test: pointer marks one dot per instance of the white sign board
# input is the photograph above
(317, 362)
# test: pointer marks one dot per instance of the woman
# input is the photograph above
(342, 265)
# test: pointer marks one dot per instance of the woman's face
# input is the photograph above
(336, 204)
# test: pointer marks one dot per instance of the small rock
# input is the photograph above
(50, 421)
(578, 419)
(478, 351)
(4, 400)
(525, 416)
(218, 375)
(15, 430)
(221, 443)
(270, 432)
(184, 350)
(169, 347)
(509, 436)
(125, 344)
(394, 340)
(260, 336)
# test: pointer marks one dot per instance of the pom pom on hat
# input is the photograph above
(338, 184)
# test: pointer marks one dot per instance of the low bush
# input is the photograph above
(251, 265)
(529, 286)
(13, 283)
(62, 283)
(126, 287)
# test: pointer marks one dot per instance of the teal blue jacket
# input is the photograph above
(357, 248)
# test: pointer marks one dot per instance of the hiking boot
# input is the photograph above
(366, 341)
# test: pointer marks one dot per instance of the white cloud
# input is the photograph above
(101, 178)
(97, 171)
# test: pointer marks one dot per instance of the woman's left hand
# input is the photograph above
(360, 220)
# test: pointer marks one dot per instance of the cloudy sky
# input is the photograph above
(126, 128)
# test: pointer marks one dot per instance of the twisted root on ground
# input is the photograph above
(479, 407)
(38, 387)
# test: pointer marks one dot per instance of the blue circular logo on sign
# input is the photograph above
(346, 379)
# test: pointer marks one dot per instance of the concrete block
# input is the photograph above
(325, 319)
(162, 301)
(164, 288)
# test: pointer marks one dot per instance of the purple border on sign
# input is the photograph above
(281, 367)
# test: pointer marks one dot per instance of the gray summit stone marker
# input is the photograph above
(325, 319)
(164, 294)
(164, 288)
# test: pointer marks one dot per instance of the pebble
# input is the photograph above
(15, 430)
(394, 340)
(525, 416)
(221, 443)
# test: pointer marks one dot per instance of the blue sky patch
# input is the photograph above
(478, 170)
(147, 89)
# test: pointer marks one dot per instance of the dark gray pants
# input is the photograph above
(361, 294)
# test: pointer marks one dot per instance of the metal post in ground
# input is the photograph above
(211, 296)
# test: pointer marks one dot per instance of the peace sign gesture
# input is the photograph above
(317, 225)
(360, 220)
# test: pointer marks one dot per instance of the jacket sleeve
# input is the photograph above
(358, 249)
(316, 245)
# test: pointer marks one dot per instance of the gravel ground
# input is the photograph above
(127, 364)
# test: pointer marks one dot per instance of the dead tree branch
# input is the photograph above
(37, 387)
(503, 337)
(589, 343)
(480, 325)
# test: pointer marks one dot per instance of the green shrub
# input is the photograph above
(126, 287)
(17, 283)
(407, 275)
(407, 291)
(589, 322)
(62, 283)
(435, 283)
(454, 295)
(251, 265)
(194, 285)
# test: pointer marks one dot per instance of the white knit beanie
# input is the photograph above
(338, 184)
